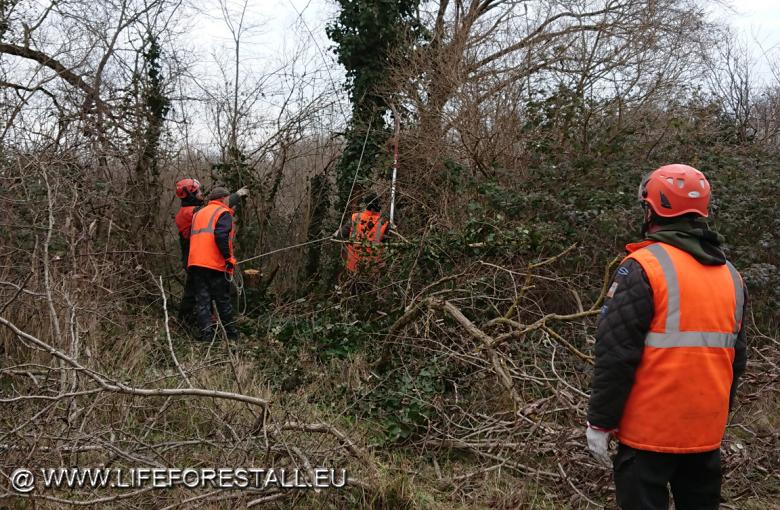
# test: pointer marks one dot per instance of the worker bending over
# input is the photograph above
(365, 231)
(670, 347)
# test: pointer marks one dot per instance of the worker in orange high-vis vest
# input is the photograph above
(365, 231)
(670, 347)
(211, 263)
(190, 192)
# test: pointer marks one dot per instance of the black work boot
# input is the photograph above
(232, 333)
(207, 335)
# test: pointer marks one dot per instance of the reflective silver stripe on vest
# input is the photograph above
(378, 234)
(740, 296)
(690, 339)
(672, 287)
(673, 337)
(209, 229)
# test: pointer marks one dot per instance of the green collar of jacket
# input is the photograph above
(694, 237)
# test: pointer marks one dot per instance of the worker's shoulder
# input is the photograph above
(629, 288)
(627, 267)
(629, 272)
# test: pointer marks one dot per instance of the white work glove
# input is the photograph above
(598, 444)
(243, 192)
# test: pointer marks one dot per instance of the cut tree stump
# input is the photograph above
(252, 278)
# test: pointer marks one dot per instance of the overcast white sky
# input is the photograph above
(758, 21)
(278, 26)
(274, 27)
(281, 28)
(276, 22)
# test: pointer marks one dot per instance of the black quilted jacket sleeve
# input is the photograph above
(222, 234)
(184, 244)
(620, 337)
(740, 352)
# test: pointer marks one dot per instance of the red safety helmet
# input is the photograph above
(187, 187)
(674, 190)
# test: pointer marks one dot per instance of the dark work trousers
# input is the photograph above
(187, 305)
(210, 285)
(642, 479)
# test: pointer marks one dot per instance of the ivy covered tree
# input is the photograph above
(368, 34)
(155, 106)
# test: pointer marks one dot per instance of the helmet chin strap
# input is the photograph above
(647, 218)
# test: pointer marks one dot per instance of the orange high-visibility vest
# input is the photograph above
(679, 402)
(367, 232)
(203, 247)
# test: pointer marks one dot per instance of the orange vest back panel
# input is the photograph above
(184, 220)
(680, 397)
(368, 229)
(203, 247)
